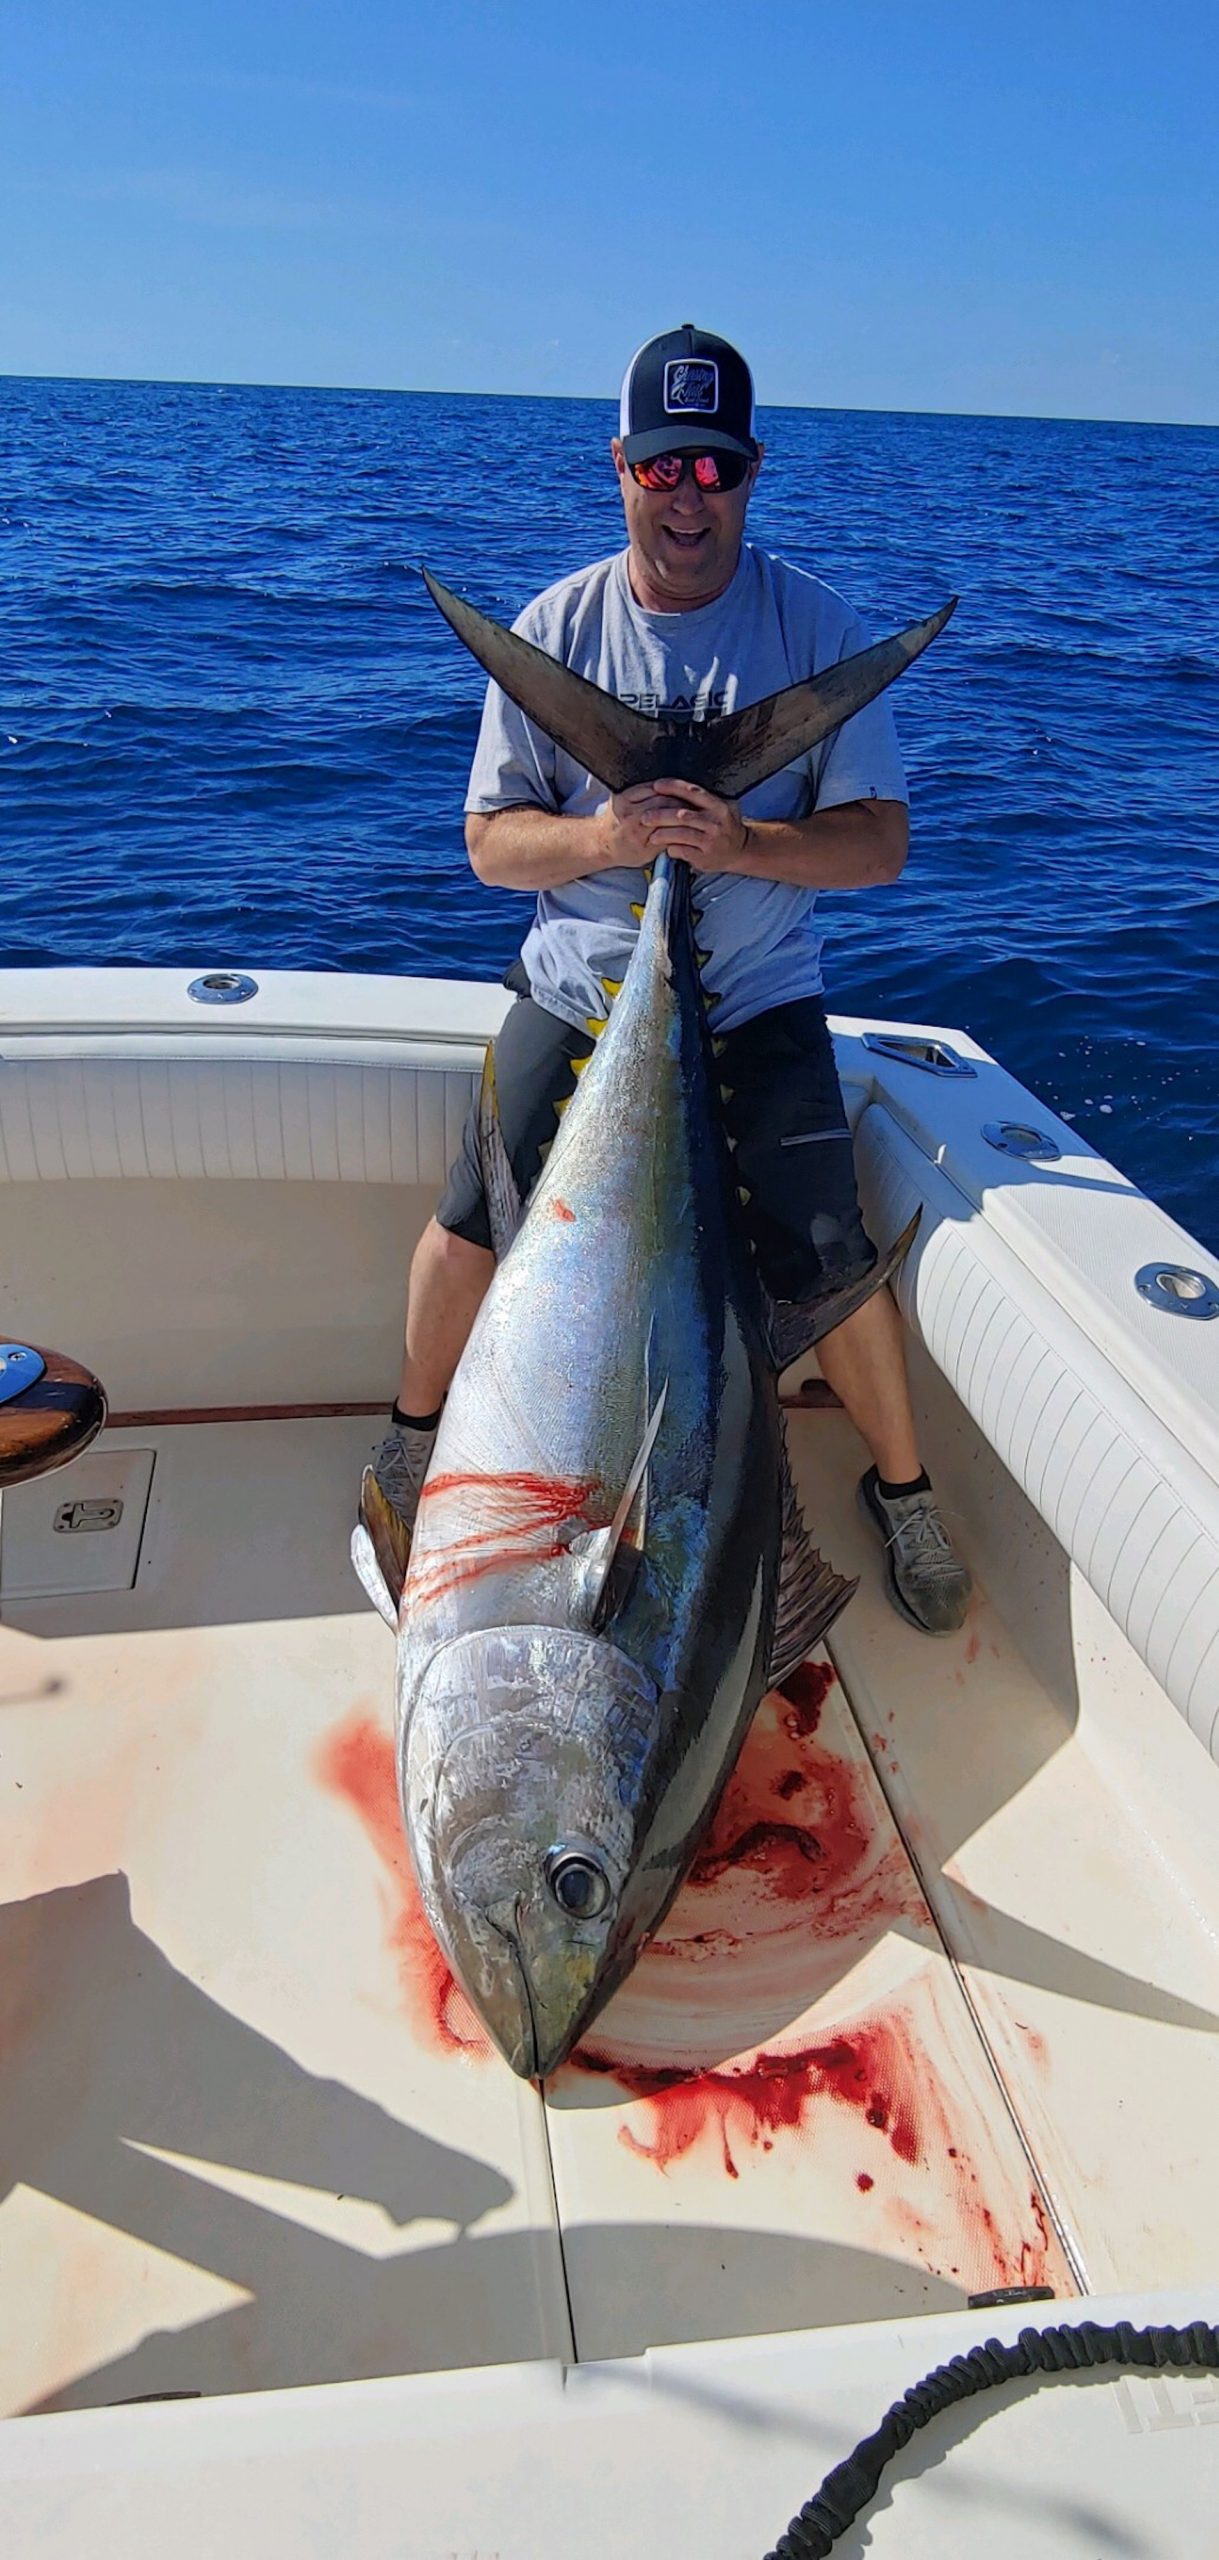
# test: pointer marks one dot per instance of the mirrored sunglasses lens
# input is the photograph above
(662, 472)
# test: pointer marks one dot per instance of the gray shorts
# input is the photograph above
(786, 1123)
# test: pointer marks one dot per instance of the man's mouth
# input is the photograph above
(687, 541)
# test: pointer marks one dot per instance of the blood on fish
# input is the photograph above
(559, 1209)
(530, 1497)
(522, 1514)
(864, 2183)
(356, 1763)
(450, 1568)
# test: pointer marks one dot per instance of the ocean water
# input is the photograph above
(233, 730)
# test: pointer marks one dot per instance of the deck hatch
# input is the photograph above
(77, 1530)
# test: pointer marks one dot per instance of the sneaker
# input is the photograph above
(925, 1582)
(400, 1465)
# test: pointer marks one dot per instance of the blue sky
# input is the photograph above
(1008, 207)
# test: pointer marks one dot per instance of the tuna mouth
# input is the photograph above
(507, 2012)
(532, 2045)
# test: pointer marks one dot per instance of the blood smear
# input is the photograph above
(356, 1763)
(767, 1898)
(874, 2070)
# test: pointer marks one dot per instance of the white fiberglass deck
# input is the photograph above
(252, 2136)
(937, 2011)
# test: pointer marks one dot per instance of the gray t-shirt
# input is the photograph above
(772, 627)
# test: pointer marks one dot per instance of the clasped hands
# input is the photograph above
(678, 818)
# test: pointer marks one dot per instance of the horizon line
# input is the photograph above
(400, 391)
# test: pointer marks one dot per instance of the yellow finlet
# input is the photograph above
(578, 1066)
(743, 1195)
(726, 1092)
(595, 1022)
(637, 911)
(612, 986)
(561, 1107)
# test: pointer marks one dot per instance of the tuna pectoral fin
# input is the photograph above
(811, 1594)
(499, 1182)
(608, 1557)
(380, 1546)
(795, 1324)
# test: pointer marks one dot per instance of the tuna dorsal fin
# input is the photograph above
(811, 1594)
(621, 746)
(797, 1323)
(380, 1547)
(606, 1556)
(499, 1182)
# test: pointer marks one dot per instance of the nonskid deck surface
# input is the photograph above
(252, 2133)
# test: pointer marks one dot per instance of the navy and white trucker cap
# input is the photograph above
(686, 390)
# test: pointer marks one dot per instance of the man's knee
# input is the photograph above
(457, 1257)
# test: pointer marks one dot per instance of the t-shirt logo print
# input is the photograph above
(691, 385)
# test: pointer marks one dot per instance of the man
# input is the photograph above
(693, 621)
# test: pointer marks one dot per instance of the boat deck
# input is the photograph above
(930, 2017)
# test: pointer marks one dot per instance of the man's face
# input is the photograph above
(685, 542)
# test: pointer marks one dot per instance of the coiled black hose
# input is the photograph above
(846, 2491)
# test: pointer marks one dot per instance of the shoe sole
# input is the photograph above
(877, 1521)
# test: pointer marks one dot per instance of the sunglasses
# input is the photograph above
(711, 471)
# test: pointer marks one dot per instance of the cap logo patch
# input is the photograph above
(691, 385)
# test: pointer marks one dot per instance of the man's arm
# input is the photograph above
(861, 844)
(530, 848)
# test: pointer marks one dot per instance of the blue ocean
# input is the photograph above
(233, 730)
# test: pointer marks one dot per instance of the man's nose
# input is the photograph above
(688, 498)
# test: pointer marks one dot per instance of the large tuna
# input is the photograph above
(609, 1564)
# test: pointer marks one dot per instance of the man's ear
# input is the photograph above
(619, 457)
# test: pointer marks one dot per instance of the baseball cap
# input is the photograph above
(686, 388)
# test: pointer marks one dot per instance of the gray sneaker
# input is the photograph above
(925, 1582)
(400, 1465)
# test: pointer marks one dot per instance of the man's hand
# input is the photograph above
(682, 818)
(635, 825)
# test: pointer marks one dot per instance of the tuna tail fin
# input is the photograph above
(618, 745)
(737, 753)
(811, 1593)
(621, 746)
(795, 1324)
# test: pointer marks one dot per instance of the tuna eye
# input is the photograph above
(579, 1885)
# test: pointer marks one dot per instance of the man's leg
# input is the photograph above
(787, 1123)
(864, 1361)
(453, 1264)
(449, 1279)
